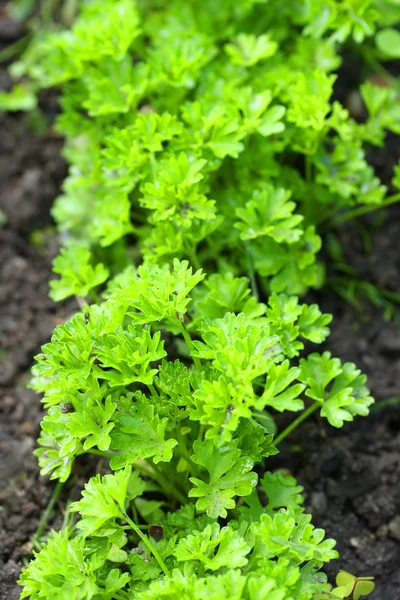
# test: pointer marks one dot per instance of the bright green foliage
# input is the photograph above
(200, 558)
(349, 586)
(347, 394)
(77, 274)
(280, 490)
(200, 135)
(187, 429)
(269, 212)
(247, 49)
(157, 293)
(103, 500)
(214, 547)
(208, 132)
(129, 353)
(224, 293)
(21, 97)
(293, 534)
(67, 568)
(229, 476)
(388, 42)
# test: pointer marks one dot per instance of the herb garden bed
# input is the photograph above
(351, 476)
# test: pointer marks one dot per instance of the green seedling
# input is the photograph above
(349, 587)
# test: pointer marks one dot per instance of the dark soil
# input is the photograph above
(31, 171)
(351, 476)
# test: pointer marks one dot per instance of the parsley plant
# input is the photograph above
(199, 132)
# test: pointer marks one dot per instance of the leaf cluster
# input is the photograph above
(183, 435)
(209, 133)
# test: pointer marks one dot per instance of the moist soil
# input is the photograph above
(351, 476)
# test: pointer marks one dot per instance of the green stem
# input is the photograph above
(153, 165)
(193, 258)
(362, 210)
(186, 456)
(153, 472)
(201, 432)
(189, 342)
(94, 297)
(15, 48)
(47, 514)
(148, 545)
(169, 489)
(103, 453)
(251, 273)
(153, 390)
(134, 511)
(296, 423)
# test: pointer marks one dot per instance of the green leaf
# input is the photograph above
(157, 293)
(78, 277)
(347, 395)
(278, 392)
(247, 49)
(271, 121)
(20, 97)
(388, 42)
(345, 579)
(229, 476)
(93, 424)
(269, 213)
(59, 570)
(291, 320)
(240, 350)
(223, 293)
(282, 491)
(126, 355)
(363, 588)
(254, 440)
(104, 499)
(291, 533)
(214, 548)
(140, 434)
(221, 406)
(292, 268)
(177, 191)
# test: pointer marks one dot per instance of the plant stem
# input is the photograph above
(94, 297)
(186, 456)
(47, 514)
(189, 342)
(15, 48)
(153, 390)
(362, 210)
(153, 472)
(148, 545)
(251, 273)
(103, 453)
(296, 423)
(193, 258)
(117, 596)
(134, 511)
(201, 432)
(169, 489)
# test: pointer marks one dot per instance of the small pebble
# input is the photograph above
(394, 528)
